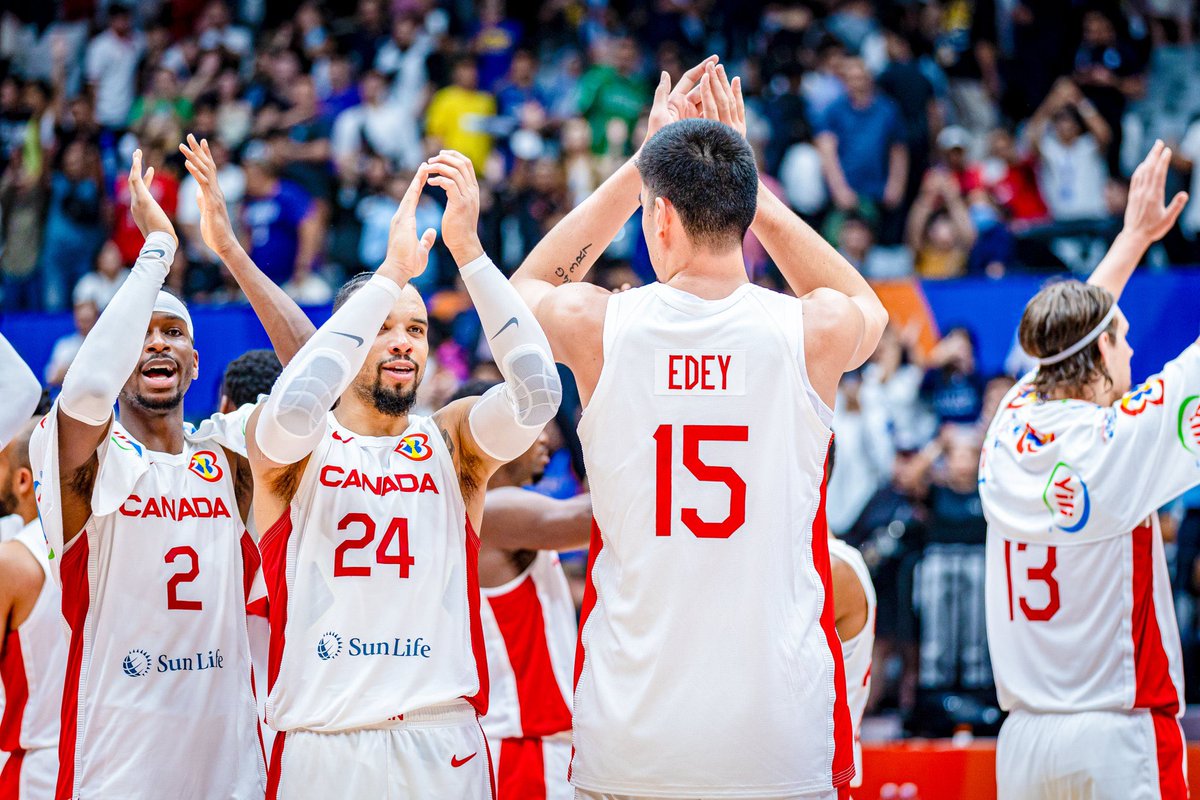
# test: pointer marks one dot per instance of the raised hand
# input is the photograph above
(407, 255)
(717, 98)
(671, 104)
(454, 173)
(215, 226)
(147, 213)
(1146, 217)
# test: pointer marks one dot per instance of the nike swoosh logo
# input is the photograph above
(457, 762)
(511, 321)
(154, 252)
(351, 336)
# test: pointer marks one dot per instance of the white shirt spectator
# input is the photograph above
(863, 463)
(895, 405)
(1072, 178)
(1190, 148)
(64, 352)
(99, 289)
(112, 63)
(187, 213)
(390, 128)
(406, 68)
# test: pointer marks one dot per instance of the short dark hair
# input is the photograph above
(707, 171)
(472, 388)
(348, 288)
(250, 375)
(1057, 317)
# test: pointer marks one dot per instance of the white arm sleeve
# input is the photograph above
(507, 420)
(110, 352)
(21, 390)
(293, 420)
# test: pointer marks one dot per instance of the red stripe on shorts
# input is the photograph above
(522, 770)
(76, 598)
(1168, 743)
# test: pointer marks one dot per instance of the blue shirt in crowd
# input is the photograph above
(864, 137)
(273, 223)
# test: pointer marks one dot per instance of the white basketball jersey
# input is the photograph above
(157, 697)
(34, 662)
(857, 650)
(529, 630)
(373, 585)
(1079, 609)
(709, 659)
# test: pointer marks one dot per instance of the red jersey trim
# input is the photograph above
(1168, 743)
(16, 692)
(76, 599)
(273, 548)
(479, 700)
(276, 766)
(10, 775)
(521, 619)
(589, 603)
(843, 730)
(1152, 671)
(522, 771)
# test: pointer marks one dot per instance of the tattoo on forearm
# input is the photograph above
(567, 274)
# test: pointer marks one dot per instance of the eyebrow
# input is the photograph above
(420, 321)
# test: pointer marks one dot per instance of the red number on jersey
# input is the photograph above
(190, 575)
(397, 530)
(1043, 574)
(693, 437)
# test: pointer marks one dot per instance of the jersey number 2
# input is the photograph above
(187, 576)
(1043, 574)
(397, 531)
(693, 436)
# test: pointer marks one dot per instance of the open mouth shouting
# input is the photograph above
(160, 373)
(400, 370)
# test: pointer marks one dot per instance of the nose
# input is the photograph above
(156, 342)
(400, 345)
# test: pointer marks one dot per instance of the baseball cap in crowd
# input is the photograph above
(953, 136)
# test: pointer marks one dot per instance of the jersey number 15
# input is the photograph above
(693, 436)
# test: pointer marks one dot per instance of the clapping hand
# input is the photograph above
(147, 213)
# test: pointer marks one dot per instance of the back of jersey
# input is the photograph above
(709, 662)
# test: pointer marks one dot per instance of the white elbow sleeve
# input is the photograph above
(294, 418)
(508, 419)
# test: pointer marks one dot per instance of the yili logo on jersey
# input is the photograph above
(1150, 393)
(1189, 424)
(1066, 497)
(125, 443)
(415, 447)
(329, 646)
(1024, 397)
(205, 465)
(136, 663)
(1031, 440)
(139, 663)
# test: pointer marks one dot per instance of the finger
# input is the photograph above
(723, 77)
(739, 102)
(663, 90)
(192, 143)
(207, 151)
(453, 193)
(135, 168)
(707, 101)
(448, 177)
(149, 179)
(196, 173)
(688, 80)
(187, 153)
(724, 106)
(1176, 207)
(427, 239)
(408, 203)
(461, 169)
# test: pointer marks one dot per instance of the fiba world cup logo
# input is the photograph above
(136, 663)
(415, 447)
(204, 464)
(329, 646)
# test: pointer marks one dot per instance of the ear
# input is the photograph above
(24, 481)
(195, 365)
(662, 217)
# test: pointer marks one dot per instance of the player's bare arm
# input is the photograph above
(550, 279)
(110, 354)
(807, 261)
(21, 392)
(517, 519)
(282, 433)
(1147, 219)
(286, 324)
(21, 579)
(484, 433)
(849, 600)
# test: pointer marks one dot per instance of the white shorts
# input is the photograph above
(584, 794)
(1091, 755)
(430, 753)
(31, 775)
(533, 768)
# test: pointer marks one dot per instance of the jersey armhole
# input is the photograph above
(608, 338)
(788, 313)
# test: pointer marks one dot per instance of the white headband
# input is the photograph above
(167, 303)
(1092, 336)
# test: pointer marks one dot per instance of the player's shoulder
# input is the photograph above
(20, 571)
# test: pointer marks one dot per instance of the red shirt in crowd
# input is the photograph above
(164, 189)
(1014, 187)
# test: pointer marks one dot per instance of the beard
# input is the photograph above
(155, 404)
(8, 502)
(391, 402)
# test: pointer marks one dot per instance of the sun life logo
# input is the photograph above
(329, 646)
(204, 464)
(415, 447)
(1066, 497)
(1150, 393)
(136, 663)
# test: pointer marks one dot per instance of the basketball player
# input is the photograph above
(145, 524)
(33, 647)
(528, 624)
(706, 428)
(248, 376)
(369, 517)
(1081, 626)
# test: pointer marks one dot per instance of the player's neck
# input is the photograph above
(707, 275)
(364, 419)
(160, 431)
(1096, 391)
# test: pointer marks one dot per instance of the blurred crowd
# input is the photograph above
(936, 138)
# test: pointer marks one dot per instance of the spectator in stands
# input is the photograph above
(376, 210)
(1069, 136)
(903, 81)
(953, 145)
(1187, 158)
(456, 117)
(98, 286)
(164, 189)
(279, 220)
(612, 90)
(494, 42)
(1109, 74)
(940, 231)
(864, 456)
(74, 228)
(336, 87)
(891, 388)
(952, 386)
(67, 347)
(306, 150)
(163, 107)
(22, 197)
(378, 125)
(862, 145)
(215, 30)
(235, 115)
(402, 60)
(204, 271)
(1008, 176)
(111, 65)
